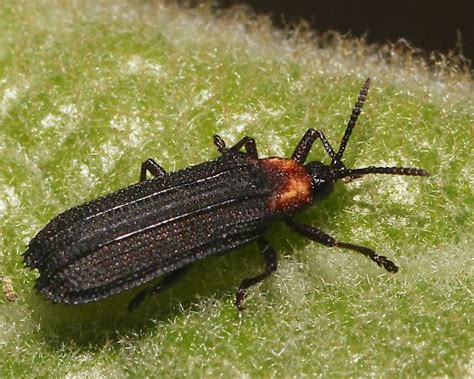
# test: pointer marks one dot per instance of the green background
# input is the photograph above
(88, 92)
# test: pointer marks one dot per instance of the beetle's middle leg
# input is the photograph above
(318, 235)
(269, 254)
(153, 168)
(166, 283)
(304, 146)
(247, 142)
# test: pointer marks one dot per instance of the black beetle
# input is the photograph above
(161, 226)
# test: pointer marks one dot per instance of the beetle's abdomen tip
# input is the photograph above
(57, 293)
(29, 259)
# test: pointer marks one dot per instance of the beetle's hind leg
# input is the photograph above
(166, 283)
(153, 168)
(319, 236)
(270, 257)
(247, 142)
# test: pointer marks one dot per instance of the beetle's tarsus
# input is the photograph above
(386, 263)
(220, 144)
(381, 260)
(153, 168)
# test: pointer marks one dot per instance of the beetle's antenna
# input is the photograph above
(357, 172)
(352, 122)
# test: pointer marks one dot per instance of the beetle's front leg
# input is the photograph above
(166, 283)
(304, 146)
(269, 254)
(325, 239)
(153, 168)
(247, 142)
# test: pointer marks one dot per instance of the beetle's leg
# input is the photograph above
(166, 283)
(153, 168)
(325, 239)
(247, 142)
(220, 143)
(270, 257)
(303, 148)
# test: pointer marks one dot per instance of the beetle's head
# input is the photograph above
(323, 178)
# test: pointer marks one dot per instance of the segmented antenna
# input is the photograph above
(408, 171)
(352, 122)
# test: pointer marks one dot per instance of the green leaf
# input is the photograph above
(89, 90)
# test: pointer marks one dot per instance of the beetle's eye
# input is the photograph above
(322, 179)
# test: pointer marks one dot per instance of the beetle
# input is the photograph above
(160, 226)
